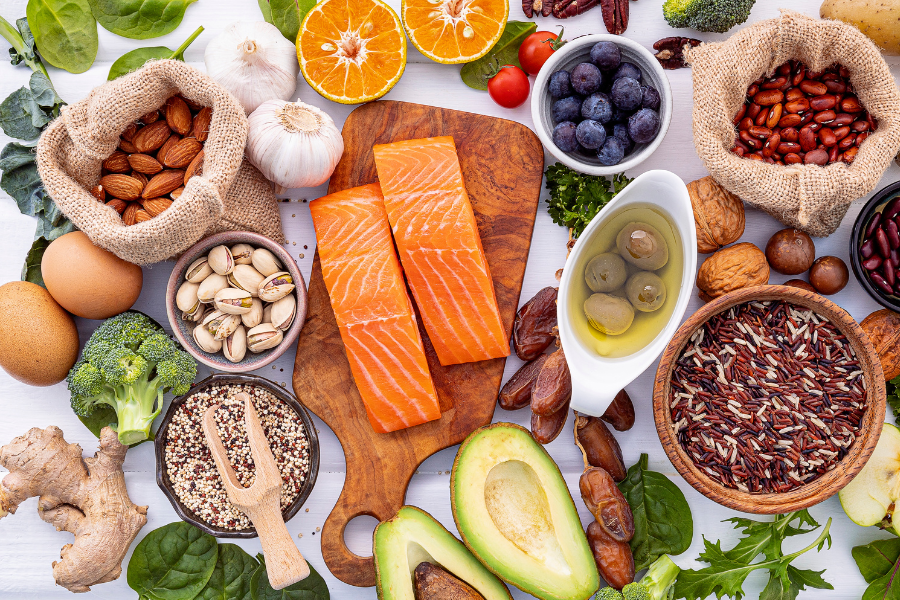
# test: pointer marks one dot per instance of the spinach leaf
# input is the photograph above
(505, 52)
(140, 19)
(100, 418)
(287, 15)
(231, 577)
(24, 50)
(266, 10)
(131, 61)
(879, 564)
(25, 112)
(311, 588)
(31, 271)
(662, 517)
(173, 562)
(65, 32)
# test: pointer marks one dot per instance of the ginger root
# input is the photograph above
(84, 496)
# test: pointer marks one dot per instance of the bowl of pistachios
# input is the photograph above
(236, 301)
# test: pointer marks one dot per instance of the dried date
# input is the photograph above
(670, 51)
(546, 429)
(599, 446)
(620, 413)
(553, 386)
(607, 504)
(516, 393)
(533, 331)
(614, 559)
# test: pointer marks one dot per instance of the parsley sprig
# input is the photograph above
(576, 198)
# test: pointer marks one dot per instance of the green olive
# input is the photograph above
(609, 314)
(646, 291)
(605, 272)
(643, 245)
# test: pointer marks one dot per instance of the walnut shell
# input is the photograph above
(739, 266)
(883, 328)
(718, 214)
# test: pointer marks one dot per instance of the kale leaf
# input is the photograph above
(576, 198)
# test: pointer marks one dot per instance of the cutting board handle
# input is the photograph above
(344, 564)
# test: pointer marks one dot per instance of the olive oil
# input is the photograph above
(646, 325)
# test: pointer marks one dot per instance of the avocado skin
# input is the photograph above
(433, 583)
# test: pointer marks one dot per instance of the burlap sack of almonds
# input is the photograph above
(230, 194)
(812, 198)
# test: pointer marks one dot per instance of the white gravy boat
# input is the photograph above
(597, 379)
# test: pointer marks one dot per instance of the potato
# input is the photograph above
(878, 19)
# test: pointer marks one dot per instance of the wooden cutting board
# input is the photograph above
(502, 164)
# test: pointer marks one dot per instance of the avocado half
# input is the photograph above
(514, 512)
(412, 537)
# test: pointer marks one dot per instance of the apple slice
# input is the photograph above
(870, 498)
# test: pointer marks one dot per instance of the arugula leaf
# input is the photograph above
(893, 396)
(65, 32)
(135, 59)
(140, 19)
(311, 588)
(31, 271)
(576, 198)
(505, 52)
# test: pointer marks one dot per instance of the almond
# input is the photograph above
(140, 177)
(144, 163)
(99, 193)
(195, 168)
(142, 215)
(155, 206)
(130, 132)
(117, 205)
(128, 147)
(129, 217)
(150, 117)
(200, 128)
(182, 153)
(163, 183)
(164, 149)
(117, 163)
(191, 104)
(151, 137)
(176, 193)
(178, 115)
(123, 187)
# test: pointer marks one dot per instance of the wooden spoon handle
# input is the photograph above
(284, 563)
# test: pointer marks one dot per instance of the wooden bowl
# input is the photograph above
(824, 486)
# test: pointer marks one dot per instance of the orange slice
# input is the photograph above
(351, 51)
(454, 31)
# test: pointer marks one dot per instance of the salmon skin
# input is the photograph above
(440, 248)
(373, 310)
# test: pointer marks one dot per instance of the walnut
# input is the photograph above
(883, 328)
(719, 214)
(732, 268)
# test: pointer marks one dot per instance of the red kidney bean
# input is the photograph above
(745, 124)
(774, 83)
(754, 156)
(861, 138)
(741, 145)
(813, 88)
(892, 209)
(753, 110)
(851, 104)
(761, 118)
(872, 262)
(797, 106)
(788, 148)
(873, 124)
(774, 116)
(841, 132)
(768, 97)
(753, 90)
(873, 225)
(751, 141)
(889, 276)
(859, 126)
(847, 142)
(835, 87)
(894, 258)
(880, 283)
(792, 159)
(867, 249)
(806, 118)
(826, 116)
(790, 134)
(790, 121)
(760, 132)
(881, 243)
(813, 74)
(771, 145)
(740, 115)
(827, 137)
(793, 94)
(841, 119)
(833, 154)
(819, 103)
(816, 157)
(849, 155)
(737, 150)
(807, 139)
(892, 231)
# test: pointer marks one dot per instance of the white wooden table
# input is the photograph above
(28, 545)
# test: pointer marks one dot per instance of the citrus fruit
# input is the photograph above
(351, 51)
(454, 31)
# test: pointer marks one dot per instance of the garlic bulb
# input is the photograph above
(254, 62)
(293, 144)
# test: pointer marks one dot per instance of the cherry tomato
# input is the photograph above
(509, 87)
(536, 49)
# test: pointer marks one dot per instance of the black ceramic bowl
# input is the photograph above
(877, 204)
(162, 478)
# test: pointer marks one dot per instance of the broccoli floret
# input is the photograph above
(707, 15)
(657, 584)
(635, 591)
(608, 593)
(128, 364)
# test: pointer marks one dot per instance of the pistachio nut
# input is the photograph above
(276, 286)
(235, 345)
(198, 271)
(196, 316)
(265, 262)
(242, 254)
(245, 277)
(262, 337)
(233, 301)
(267, 313)
(220, 260)
(205, 340)
(221, 324)
(283, 312)
(210, 286)
(255, 316)
(186, 296)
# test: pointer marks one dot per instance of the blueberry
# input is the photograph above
(590, 134)
(620, 131)
(650, 97)
(560, 87)
(612, 152)
(567, 109)
(626, 94)
(564, 136)
(619, 115)
(643, 126)
(627, 69)
(606, 55)
(586, 78)
(597, 107)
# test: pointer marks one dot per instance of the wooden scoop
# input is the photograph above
(261, 501)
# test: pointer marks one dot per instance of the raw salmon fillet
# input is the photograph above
(440, 248)
(373, 310)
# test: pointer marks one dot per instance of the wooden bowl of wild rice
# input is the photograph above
(769, 399)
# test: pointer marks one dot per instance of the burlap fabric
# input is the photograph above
(807, 197)
(229, 195)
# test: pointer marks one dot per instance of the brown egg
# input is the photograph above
(39, 343)
(88, 281)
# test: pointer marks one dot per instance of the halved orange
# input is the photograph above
(454, 31)
(351, 51)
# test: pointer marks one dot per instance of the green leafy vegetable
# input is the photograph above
(505, 52)
(266, 10)
(576, 198)
(662, 517)
(140, 19)
(728, 569)
(32, 269)
(173, 562)
(230, 578)
(311, 588)
(286, 15)
(131, 61)
(879, 564)
(893, 396)
(65, 32)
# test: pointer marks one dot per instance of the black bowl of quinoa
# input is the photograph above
(187, 475)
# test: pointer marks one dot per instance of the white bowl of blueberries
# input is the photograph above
(601, 104)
